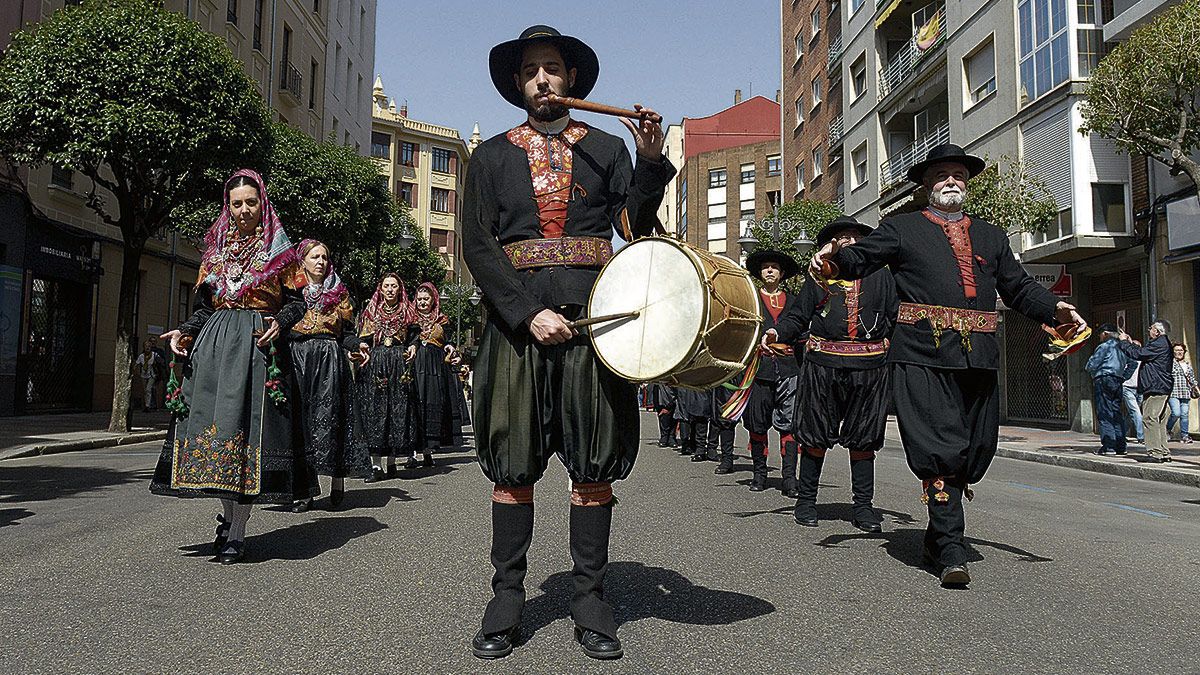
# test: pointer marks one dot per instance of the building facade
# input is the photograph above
(350, 57)
(669, 211)
(731, 174)
(60, 264)
(812, 100)
(426, 166)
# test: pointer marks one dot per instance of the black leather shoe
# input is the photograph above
(427, 460)
(412, 463)
(222, 534)
(806, 516)
(336, 497)
(300, 506)
(955, 576)
(495, 646)
(598, 646)
(873, 528)
(233, 552)
(376, 475)
(792, 493)
(723, 468)
(699, 458)
(757, 487)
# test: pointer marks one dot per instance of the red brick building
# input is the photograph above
(812, 100)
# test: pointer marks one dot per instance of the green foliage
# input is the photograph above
(127, 85)
(1143, 95)
(362, 264)
(794, 218)
(1015, 199)
(456, 304)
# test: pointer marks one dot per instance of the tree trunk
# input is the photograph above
(125, 350)
(1192, 169)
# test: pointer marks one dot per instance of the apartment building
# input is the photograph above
(812, 51)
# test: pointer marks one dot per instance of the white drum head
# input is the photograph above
(659, 279)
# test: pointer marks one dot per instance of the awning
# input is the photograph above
(887, 12)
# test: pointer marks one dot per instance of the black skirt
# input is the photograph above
(324, 387)
(841, 406)
(384, 415)
(435, 408)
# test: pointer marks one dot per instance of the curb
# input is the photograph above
(84, 444)
(1154, 473)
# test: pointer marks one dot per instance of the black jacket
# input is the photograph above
(823, 314)
(499, 208)
(926, 271)
(775, 368)
(1155, 378)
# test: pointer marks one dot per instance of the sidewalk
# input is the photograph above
(31, 435)
(1077, 451)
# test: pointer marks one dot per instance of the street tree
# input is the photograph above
(141, 101)
(416, 264)
(779, 231)
(1015, 198)
(1143, 95)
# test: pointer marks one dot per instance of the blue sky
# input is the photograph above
(681, 58)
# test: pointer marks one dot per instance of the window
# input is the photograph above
(231, 11)
(1043, 49)
(818, 158)
(312, 85)
(775, 199)
(774, 166)
(855, 5)
(183, 303)
(1060, 228)
(747, 173)
(717, 178)
(815, 21)
(406, 193)
(980, 69)
(441, 160)
(439, 200)
(800, 178)
(381, 145)
(439, 240)
(63, 178)
(1087, 11)
(287, 54)
(316, 6)
(1108, 207)
(816, 91)
(799, 46)
(716, 229)
(1089, 42)
(258, 24)
(408, 154)
(859, 160)
(799, 110)
(858, 77)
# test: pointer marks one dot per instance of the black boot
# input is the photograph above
(944, 538)
(512, 531)
(862, 481)
(595, 628)
(810, 479)
(787, 451)
(687, 438)
(758, 454)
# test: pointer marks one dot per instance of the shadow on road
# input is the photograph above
(904, 545)
(41, 483)
(303, 541)
(843, 512)
(638, 591)
(13, 516)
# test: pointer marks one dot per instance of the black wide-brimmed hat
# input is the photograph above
(505, 61)
(946, 152)
(837, 225)
(787, 263)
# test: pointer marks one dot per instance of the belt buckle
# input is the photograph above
(387, 342)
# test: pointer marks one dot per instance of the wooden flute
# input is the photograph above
(591, 106)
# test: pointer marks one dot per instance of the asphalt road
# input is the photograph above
(1074, 572)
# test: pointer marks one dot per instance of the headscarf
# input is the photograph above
(381, 322)
(434, 316)
(274, 250)
(331, 291)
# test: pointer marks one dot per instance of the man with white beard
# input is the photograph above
(944, 354)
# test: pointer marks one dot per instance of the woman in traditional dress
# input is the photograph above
(434, 378)
(232, 436)
(323, 373)
(384, 417)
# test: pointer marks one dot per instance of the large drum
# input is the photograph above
(699, 320)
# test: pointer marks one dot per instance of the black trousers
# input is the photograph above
(949, 420)
(666, 426)
(841, 406)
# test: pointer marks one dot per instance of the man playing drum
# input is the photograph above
(949, 269)
(773, 394)
(842, 393)
(540, 205)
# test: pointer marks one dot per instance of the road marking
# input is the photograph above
(1156, 514)
(1029, 487)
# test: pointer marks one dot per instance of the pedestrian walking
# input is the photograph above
(324, 387)
(238, 441)
(661, 400)
(843, 328)
(949, 268)
(149, 365)
(1133, 399)
(1156, 380)
(433, 376)
(1183, 390)
(773, 393)
(542, 391)
(384, 407)
(1107, 366)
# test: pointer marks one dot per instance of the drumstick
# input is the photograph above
(601, 319)
(592, 106)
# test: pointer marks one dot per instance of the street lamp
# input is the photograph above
(405, 239)
(458, 291)
(748, 241)
(476, 297)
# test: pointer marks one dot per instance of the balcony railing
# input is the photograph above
(291, 81)
(836, 49)
(840, 201)
(835, 135)
(892, 171)
(927, 39)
